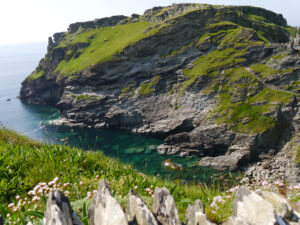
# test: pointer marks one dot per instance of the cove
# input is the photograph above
(17, 62)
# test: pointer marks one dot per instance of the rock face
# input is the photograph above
(138, 211)
(202, 77)
(195, 215)
(268, 208)
(164, 207)
(105, 210)
(59, 211)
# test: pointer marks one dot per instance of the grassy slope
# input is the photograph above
(103, 44)
(238, 97)
(24, 163)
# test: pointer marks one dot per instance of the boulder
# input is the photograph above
(165, 208)
(59, 211)
(280, 204)
(138, 210)
(250, 208)
(195, 215)
(105, 210)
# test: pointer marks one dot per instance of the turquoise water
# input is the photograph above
(16, 62)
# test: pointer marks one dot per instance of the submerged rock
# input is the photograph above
(138, 211)
(105, 209)
(59, 211)
(171, 165)
(164, 207)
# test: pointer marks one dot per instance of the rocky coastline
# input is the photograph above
(215, 82)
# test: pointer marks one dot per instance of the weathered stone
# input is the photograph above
(165, 208)
(251, 209)
(281, 205)
(138, 210)
(195, 215)
(105, 210)
(59, 211)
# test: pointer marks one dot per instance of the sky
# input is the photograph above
(23, 21)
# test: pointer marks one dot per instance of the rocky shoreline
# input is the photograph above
(231, 111)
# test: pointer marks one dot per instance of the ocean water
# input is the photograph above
(18, 61)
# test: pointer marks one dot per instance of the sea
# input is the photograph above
(18, 61)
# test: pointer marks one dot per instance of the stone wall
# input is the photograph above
(249, 208)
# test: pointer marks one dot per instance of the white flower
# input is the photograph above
(56, 180)
(94, 191)
(36, 198)
(18, 197)
(11, 205)
(67, 193)
(80, 183)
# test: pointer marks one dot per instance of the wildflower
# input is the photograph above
(51, 183)
(36, 199)
(11, 205)
(135, 187)
(80, 183)
(7, 215)
(89, 194)
(31, 193)
(56, 180)
(94, 191)
(97, 176)
(66, 185)
(214, 212)
(66, 193)
(18, 197)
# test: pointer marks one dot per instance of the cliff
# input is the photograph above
(213, 81)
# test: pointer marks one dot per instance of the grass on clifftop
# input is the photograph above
(103, 44)
(24, 164)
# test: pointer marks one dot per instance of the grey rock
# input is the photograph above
(250, 208)
(105, 210)
(195, 215)
(164, 207)
(59, 211)
(281, 205)
(138, 210)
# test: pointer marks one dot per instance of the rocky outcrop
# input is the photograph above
(59, 211)
(249, 208)
(105, 210)
(164, 207)
(138, 211)
(195, 215)
(201, 77)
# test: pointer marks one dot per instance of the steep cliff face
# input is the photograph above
(213, 81)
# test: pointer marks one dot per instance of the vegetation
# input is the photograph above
(77, 172)
(88, 97)
(35, 75)
(264, 71)
(149, 87)
(115, 38)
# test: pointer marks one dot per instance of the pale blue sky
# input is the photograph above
(36, 20)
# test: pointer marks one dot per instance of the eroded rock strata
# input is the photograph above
(213, 81)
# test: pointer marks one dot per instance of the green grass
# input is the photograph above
(87, 97)
(263, 71)
(103, 44)
(24, 163)
(35, 75)
(149, 87)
